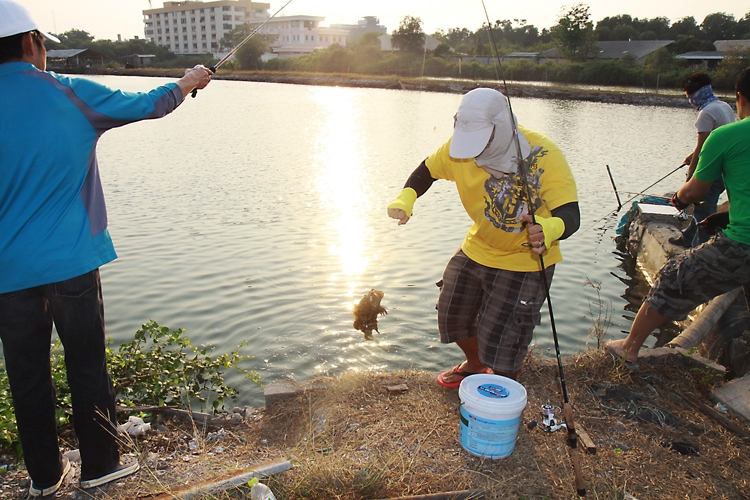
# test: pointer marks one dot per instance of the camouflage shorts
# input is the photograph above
(698, 275)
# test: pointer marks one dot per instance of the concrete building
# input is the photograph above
(292, 36)
(368, 24)
(194, 27)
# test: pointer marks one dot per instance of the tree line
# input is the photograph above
(575, 36)
(518, 34)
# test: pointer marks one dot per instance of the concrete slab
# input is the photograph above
(279, 391)
(276, 392)
(655, 249)
(735, 395)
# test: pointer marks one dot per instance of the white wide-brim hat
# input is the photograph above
(481, 111)
(16, 19)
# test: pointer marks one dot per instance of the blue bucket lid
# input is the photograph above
(492, 391)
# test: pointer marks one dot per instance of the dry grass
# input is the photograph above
(356, 440)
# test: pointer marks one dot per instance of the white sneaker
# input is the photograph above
(120, 471)
(35, 491)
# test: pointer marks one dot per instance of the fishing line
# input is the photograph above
(529, 199)
(567, 410)
(237, 47)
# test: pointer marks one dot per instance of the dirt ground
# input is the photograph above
(358, 440)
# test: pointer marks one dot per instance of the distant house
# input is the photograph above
(513, 56)
(711, 58)
(732, 45)
(638, 50)
(139, 60)
(294, 36)
(73, 58)
(707, 58)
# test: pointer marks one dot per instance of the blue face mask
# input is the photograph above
(701, 97)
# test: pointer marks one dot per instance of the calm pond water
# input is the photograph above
(256, 214)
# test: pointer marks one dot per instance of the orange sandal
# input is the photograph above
(460, 374)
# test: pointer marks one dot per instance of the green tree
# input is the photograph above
(685, 27)
(574, 32)
(661, 60)
(743, 27)
(657, 28)
(75, 39)
(442, 50)
(409, 36)
(248, 56)
(719, 26)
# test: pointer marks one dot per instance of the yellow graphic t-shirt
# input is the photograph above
(496, 205)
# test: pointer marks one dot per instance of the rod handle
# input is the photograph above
(572, 450)
(194, 93)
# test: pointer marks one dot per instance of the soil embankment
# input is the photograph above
(516, 89)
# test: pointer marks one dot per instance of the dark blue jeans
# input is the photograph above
(76, 308)
(708, 205)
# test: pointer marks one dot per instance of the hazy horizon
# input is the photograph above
(109, 18)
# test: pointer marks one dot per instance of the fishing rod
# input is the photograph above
(567, 409)
(237, 47)
(612, 181)
(643, 191)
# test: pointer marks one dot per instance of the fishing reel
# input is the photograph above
(550, 423)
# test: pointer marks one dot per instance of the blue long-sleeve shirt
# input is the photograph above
(53, 219)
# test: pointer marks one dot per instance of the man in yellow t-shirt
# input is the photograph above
(492, 290)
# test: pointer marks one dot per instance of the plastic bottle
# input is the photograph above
(260, 491)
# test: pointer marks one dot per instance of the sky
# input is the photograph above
(108, 18)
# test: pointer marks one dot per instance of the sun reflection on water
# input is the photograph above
(341, 183)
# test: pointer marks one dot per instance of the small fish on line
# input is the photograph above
(367, 311)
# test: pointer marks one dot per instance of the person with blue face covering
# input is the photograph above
(712, 114)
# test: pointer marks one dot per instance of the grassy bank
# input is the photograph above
(356, 439)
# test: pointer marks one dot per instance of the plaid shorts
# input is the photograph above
(500, 307)
(698, 275)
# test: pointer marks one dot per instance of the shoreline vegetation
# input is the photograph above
(354, 436)
(647, 97)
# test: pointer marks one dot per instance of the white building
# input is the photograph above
(368, 24)
(194, 27)
(298, 35)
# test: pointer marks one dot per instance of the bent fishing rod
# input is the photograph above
(524, 173)
(642, 192)
(237, 47)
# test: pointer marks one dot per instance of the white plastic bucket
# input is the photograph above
(490, 414)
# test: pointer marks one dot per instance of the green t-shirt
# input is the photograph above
(726, 154)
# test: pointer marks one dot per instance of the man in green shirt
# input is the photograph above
(723, 263)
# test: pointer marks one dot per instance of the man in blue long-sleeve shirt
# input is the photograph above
(53, 239)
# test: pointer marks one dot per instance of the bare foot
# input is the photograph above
(619, 349)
